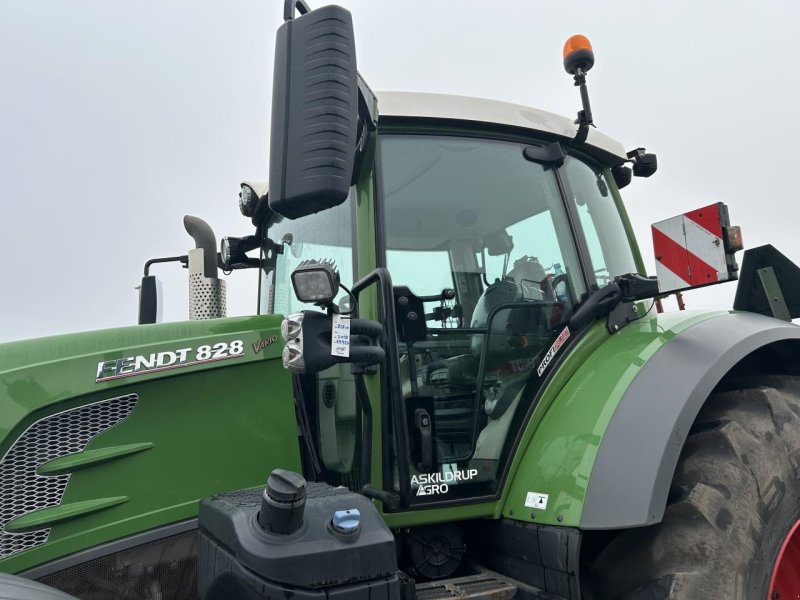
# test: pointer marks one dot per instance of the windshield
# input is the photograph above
(609, 246)
(325, 235)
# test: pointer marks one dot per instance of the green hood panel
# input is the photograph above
(39, 372)
(563, 437)
(217, 414)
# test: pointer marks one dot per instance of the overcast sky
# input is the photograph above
(116, 119)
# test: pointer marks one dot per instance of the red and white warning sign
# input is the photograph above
(689, 249)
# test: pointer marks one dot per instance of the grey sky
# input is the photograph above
(116, 119)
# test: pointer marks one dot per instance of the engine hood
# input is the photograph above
(39, 372)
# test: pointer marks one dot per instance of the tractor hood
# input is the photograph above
(111, 433)
(40, 372)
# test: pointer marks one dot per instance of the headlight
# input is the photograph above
(315, 282)
(292, 326)
(292, 334)
(293, 357)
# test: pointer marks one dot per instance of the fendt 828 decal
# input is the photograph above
(108, 370)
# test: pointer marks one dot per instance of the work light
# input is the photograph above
(249, 196)
(315, 282)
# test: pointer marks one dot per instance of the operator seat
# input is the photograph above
(500, 413)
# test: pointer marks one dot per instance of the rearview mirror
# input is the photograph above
(150, 299)
(314, 112)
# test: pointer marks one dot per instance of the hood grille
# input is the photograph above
(22, 490)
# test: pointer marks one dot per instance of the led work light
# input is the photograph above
(315, 282)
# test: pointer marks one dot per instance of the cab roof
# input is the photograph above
(463, 108)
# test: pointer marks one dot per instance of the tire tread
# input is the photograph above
(739, 463)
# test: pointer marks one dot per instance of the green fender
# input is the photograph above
(601, 447)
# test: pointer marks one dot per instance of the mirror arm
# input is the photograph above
(184, 260)
(289, 8)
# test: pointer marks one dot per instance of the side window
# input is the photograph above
(329, 411)
(609, 248)
(428, 270)
(427, 274)
(326, 235)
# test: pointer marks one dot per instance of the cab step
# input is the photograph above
(475, 587)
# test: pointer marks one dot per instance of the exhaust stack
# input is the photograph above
(206, 290)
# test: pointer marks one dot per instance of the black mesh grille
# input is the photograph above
(165, 569)
(22, 490)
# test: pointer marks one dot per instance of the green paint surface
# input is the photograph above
(48, 517)
(213, 426)
(567, 428)
(79, 460)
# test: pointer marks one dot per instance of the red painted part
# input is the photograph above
(680, 261)
(707, 217)
(785, 581)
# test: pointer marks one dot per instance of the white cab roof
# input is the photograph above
(463, 108)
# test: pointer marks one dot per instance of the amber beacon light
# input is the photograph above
(578, 55)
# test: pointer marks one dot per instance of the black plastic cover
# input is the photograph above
(148, 300)
(227, 579)
(286, 486)
(541, 556)
(315, 556)
(750, 293)
(283, 502)
(314, 113)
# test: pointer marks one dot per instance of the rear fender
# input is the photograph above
(640, 449)
(604, 453)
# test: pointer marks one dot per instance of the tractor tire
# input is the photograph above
(731, 512)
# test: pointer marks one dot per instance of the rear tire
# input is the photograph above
(735, 496)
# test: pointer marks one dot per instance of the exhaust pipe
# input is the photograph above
(206, 290)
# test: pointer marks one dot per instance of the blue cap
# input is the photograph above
(347, 521)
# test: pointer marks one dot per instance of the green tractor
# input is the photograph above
(456, 386)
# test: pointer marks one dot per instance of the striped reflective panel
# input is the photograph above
(689, 249)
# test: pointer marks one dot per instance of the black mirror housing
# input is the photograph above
(314, 113)
(149, 300)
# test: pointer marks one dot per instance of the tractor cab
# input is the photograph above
(490, 244)
(436, 260)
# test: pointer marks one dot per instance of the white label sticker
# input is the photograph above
(536, 500)
(340, 336)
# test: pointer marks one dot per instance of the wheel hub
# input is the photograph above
(785, 581)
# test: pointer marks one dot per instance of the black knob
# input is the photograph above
(283, 502)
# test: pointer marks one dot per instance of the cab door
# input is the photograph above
(486, 271)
